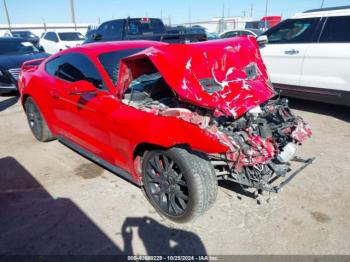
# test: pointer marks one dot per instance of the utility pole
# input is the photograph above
(161, 14)
(44, 23)
(267, 4)
(251, 10)
(72, 12)
(189, 16)
(223, 11)
(322, 3)
(7, 15)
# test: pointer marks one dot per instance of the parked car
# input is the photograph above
(175, 134)
(34, 39)
(240, 32)
(143, 29)
(129, 29)
(308, 56)
(90, 33)
(13, 52)
(53, 42)
(183, 34)
(24, 34)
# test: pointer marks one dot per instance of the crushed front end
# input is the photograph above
(223, 88)
(262, 143)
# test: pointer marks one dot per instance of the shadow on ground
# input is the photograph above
(236, 188)
(33, 222)
(339, 112)
(8, 103)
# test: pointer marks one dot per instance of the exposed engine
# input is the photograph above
(261, 142)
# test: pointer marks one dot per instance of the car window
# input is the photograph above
(245, 33)
(51, 36)
(145, 26)
(113, 29)
(110, 61)
(71, 36)
(74, 67)
(293, 31)
(336, 30)
(230, 34)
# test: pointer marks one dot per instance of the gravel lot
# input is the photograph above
(54, 201)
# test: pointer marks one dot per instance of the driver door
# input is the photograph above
(80, 110)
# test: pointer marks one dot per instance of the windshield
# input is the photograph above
(71, 36)
(145, 26)
(25, 34)
(17, 48)
(212, 36)
(256, 31)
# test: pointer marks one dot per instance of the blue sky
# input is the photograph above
(90, 11)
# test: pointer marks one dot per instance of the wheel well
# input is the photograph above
(143, 147)
(24, 99)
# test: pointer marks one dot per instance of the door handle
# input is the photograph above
(54, 94)
(291, 52)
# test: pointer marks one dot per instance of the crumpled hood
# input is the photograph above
(227, 76)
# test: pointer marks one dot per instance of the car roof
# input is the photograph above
(18, 31)
(322, 12)
(130, 18)
(97, 48)
(13, 39)
(235, 30)
(59, 31)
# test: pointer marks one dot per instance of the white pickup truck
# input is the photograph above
(308, 55)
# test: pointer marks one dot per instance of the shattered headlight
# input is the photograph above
(255, 110)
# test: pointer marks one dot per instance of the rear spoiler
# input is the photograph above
(32, 65)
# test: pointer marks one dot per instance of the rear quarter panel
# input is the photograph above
(35, 83)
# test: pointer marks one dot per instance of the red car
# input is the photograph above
(173, 119)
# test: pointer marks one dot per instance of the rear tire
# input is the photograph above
(179, 183)
(36, 121)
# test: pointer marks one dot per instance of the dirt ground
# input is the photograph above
(54, 201)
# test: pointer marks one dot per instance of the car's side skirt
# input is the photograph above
(339, 97)
(112, 168)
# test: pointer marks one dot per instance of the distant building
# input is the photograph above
(219, 24)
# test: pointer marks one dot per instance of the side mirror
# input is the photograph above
(81, 87)
(96, 36)
(262, 40)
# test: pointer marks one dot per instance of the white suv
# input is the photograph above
(53, 42)
(308, 55)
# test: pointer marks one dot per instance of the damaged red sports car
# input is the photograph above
(173, 119)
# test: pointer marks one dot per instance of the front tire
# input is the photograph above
(179, 183)
(36, 121)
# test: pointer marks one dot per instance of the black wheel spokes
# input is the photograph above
(167, 185)
(33, 119)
